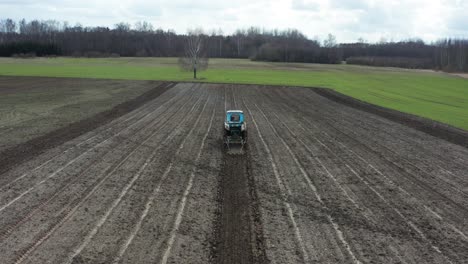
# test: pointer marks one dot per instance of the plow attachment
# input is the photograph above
(235, 145)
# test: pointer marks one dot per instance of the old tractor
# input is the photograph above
(235, 132)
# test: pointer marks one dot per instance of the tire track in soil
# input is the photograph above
(434, 128)
(150, 160)
(447, 155)
(32, 177)
(6, 230)
(394, 161)
(168, 196)
(238, 230)
(238, 235)
(183, 200)
(104, 129)
(398, 213)
(284, 190)
(151, 199)
(16, 155)
(73, 206)
(321, 164)
(393, 156)
(403, 171)
(347, 245)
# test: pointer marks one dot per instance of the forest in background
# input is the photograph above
(54, 38)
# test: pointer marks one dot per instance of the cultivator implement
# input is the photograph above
(235, 145)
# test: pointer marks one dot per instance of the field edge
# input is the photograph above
(434, 128)
(15, 155)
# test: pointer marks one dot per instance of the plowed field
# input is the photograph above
(320, 182)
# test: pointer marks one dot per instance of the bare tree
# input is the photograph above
(122, 27)
(330, 42)
(50, 37)
(195, 58)
(8, 25)
(220, 34)
(143, 26)
(361, 40)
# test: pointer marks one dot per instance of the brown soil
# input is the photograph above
(31, 107)
(15, 155)
(431, 127)
(320, 182)
(238, 231)
(238, 234)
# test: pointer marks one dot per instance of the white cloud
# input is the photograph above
(347, 19)
(307, 5)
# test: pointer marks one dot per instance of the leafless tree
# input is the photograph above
(7, 26)
(239, 38)
(143, 26)
(195, 58)
(122, 27)
(50, 37)
(330, 42)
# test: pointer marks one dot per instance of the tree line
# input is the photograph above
(446, 55)
(50, 37)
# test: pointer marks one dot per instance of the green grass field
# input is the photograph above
(437, 96)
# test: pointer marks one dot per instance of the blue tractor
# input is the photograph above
(235, 132)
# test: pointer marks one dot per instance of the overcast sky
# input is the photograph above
(348, 20)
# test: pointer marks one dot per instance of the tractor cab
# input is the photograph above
(235, 131)
(234, 120)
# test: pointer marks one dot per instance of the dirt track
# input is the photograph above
(322, 182)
